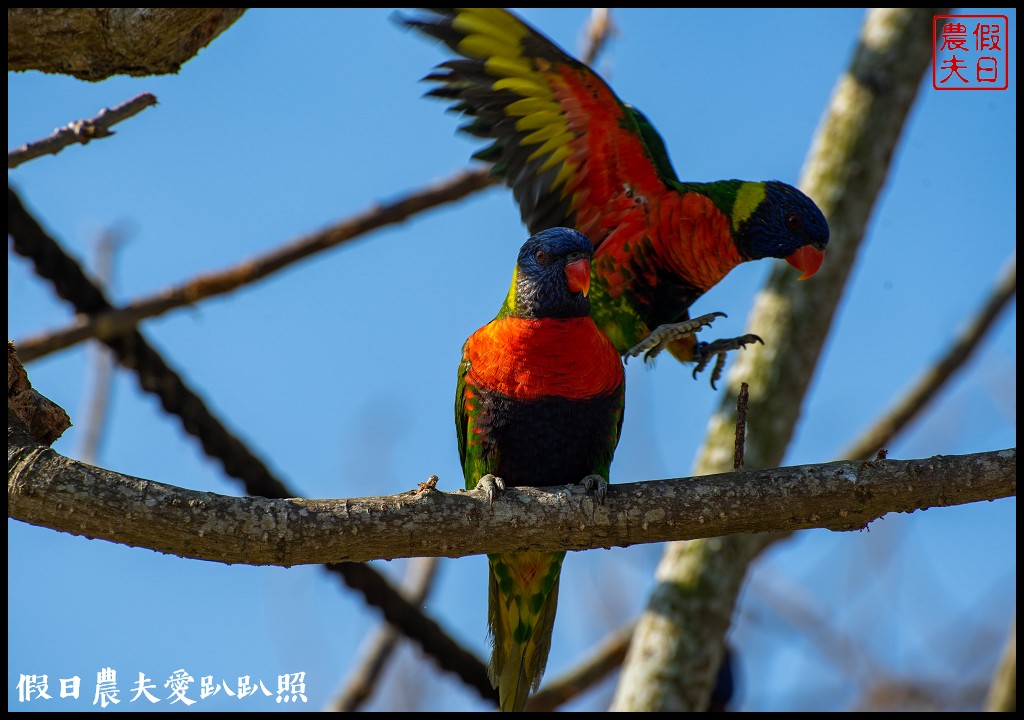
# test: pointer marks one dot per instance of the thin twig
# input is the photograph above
(741, 425)
(102, 361)
(111, 323)
(155, 376)
(80, 131)
(598, 30)
(928, 385)
(364, 678)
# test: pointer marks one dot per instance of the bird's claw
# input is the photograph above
(717, 349)
(662, 335)
(596, 485)
(490, 485)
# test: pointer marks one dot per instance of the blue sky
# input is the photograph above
(340, 371)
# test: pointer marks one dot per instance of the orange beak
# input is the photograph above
(578, 274)
(807, 260)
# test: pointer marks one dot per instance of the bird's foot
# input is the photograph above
(662, 335)
(717, 349)
(490, 485)
(596, 485)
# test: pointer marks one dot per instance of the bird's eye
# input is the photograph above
(540, 256)
(793, 221)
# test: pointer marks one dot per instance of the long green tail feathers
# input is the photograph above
(521, 616)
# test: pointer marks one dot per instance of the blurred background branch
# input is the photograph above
(110, 323)
(101, 365)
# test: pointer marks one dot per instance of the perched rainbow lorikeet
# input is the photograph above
(577, 156)
(539, 403)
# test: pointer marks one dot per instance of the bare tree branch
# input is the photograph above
(101, 359)
(679, 643)
(80, 131)
(109, 323)
(44, 488)
(598, 30)
(95, 43)
(927, 386)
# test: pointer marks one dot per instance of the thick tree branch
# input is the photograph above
(109, 323)
(80, 131)
(95, 43)
(44, 488)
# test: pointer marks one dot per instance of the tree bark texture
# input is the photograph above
(95, 43)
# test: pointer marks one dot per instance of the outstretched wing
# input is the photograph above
(572, 152)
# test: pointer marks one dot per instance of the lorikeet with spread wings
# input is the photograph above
(539, 402)
(577, 156)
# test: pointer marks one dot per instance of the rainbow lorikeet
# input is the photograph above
(577, 156)
(539, 402)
